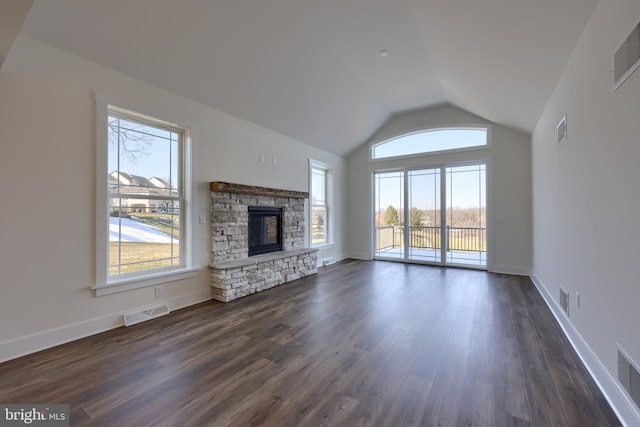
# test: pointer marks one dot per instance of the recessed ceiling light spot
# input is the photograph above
(383, 53)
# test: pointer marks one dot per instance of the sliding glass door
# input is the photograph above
(466, 215)
(425, 216)
(389, 214)
(432, 215)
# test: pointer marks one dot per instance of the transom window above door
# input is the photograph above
(432, 141)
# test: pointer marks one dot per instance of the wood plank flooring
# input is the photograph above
(361, 343)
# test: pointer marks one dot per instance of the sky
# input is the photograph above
(466, 185)
(466, 188)
(156, 151)
(430, 141)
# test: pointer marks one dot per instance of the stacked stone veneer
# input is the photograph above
(233, 273)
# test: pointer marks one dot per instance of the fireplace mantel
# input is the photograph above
(233, 273)
(226, 187)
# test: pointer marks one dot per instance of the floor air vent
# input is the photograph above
(629, 375)
(564, 301)
(147, 314)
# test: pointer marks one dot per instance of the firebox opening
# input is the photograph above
(265, 230)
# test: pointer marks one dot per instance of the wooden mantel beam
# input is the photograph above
(226, 187)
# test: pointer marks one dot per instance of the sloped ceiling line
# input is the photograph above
(311, 70)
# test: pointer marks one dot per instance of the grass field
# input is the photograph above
(141, 256)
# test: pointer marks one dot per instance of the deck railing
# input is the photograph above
(466, 239)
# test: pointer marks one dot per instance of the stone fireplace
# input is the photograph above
(279, 258)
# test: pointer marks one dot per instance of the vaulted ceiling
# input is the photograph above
(312, 70)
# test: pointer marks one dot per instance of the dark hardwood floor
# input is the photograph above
(361, 343)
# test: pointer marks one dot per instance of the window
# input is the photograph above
(144, 192)
(431, 141)
(320, 206)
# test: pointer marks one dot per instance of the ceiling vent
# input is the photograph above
(629, 375)
(627, 58)
(562, 130)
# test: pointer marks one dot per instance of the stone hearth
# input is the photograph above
(233, 273)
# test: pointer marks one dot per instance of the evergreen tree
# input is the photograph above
(391, 216)
(415, 217)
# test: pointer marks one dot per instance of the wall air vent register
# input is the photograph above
(627, 58)
(629, 375)
(562, 130)
(564, 301)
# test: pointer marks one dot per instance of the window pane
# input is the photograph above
(318, 187)
(430, 141)
(389, 214)
(319, 225)
(142, 160)
(143, 234)
(144, 193)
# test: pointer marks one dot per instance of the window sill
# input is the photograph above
(138, 282)
(322, 246)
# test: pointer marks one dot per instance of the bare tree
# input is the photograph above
(134, 143)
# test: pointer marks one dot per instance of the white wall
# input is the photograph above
(47, 184)
(510, 162)
(586, 203)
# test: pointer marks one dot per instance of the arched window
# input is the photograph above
(431, 141)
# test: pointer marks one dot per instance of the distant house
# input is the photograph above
(137, 185)
(159, 183)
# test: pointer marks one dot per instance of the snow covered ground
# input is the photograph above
(134, 231)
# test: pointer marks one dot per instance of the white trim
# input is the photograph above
(360, 255)
(105, 285)
(488, 164)
(444, 224)
(486, 160)
(324, 246)
(23, 346)
(335, 258)
(621, 404)
(511, 269)
(137, 282)
(102, 180)
(328, 203)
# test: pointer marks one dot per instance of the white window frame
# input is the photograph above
(328, 197)
(474, 126)
(105, 284)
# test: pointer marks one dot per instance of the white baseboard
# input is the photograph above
(511, 269)
(22, 346)
(620, 403)
(187, 300)
(340, 257)
(360, 255)
(333, 258)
